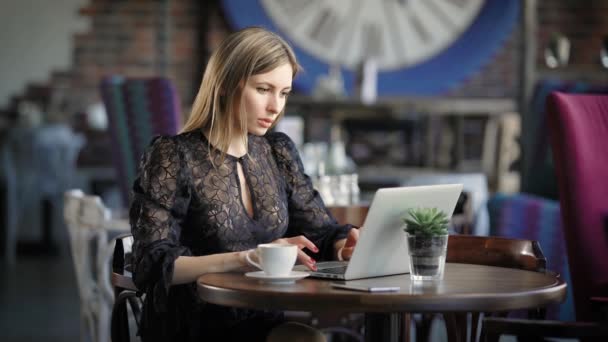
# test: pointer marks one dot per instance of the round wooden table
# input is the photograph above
(465, 288)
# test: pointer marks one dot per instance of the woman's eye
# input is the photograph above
(263, 90)
(285, 94)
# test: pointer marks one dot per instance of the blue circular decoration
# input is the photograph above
(433, 76)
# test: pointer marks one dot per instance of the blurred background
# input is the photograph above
(393, 93)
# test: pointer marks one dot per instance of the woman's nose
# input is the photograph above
(274, 104)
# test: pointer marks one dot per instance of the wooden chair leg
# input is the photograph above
(456, 326)
(120, 321)
(406, 327)
(475, 323)
(423, 327)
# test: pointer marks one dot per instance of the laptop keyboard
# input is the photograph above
(334, 270)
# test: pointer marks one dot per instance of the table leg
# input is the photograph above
(383, 327)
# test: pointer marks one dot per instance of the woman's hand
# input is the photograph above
(302, 242)
(346, 247)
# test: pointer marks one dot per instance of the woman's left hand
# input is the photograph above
(345, 251)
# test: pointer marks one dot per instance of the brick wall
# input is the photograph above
(585, 23)
(141, 39)
(498, 77)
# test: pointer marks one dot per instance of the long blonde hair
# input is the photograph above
(244, 53)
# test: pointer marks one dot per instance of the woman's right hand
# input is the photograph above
(302, 242)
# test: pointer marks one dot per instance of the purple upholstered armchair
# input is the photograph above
(138, 110)
(578, 127)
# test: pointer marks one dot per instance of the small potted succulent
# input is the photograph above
(427, 239)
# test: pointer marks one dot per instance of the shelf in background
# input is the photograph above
(398, 106)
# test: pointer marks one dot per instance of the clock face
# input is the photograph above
(396, 33)
(422, 47)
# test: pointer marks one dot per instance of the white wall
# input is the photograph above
(36, 39)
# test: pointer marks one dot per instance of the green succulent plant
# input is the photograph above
(426, 222)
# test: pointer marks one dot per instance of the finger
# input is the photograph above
(347, 253)
(352, 238)
(303, 242)
(307, 260)
(354, 233)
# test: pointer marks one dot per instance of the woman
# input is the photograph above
(205, 197)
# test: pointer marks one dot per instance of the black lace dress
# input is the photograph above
(183, 205)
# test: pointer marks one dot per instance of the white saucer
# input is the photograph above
(287, 279)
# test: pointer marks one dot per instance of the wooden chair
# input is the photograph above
(89, 224)
(490, 251)
(81, 257)
(126, 312)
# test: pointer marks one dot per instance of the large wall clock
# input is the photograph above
(422, 47)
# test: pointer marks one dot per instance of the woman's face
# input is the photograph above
(264, 96)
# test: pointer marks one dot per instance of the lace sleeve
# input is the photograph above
(307, 212)
(160, 203)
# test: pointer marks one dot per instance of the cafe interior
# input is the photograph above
(508, 98)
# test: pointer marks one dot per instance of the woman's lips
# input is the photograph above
(266, 123)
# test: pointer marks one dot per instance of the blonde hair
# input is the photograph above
(244, 53)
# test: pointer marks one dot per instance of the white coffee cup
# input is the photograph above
(275, 259)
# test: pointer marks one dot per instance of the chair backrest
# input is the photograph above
(492, 251)
(496, 251)
(80, 244)
(93, 212)
(125, 292)
(578, 127)
(84, 216)
(523, 216)
(138, 110)
(71, 206)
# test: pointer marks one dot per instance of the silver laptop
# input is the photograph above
(382, 249)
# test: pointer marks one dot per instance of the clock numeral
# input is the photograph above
(325, 28)
(371, 44)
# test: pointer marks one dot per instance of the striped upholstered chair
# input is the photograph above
(525, 216)
(138, 110)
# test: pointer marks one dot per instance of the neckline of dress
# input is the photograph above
(228, 155)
